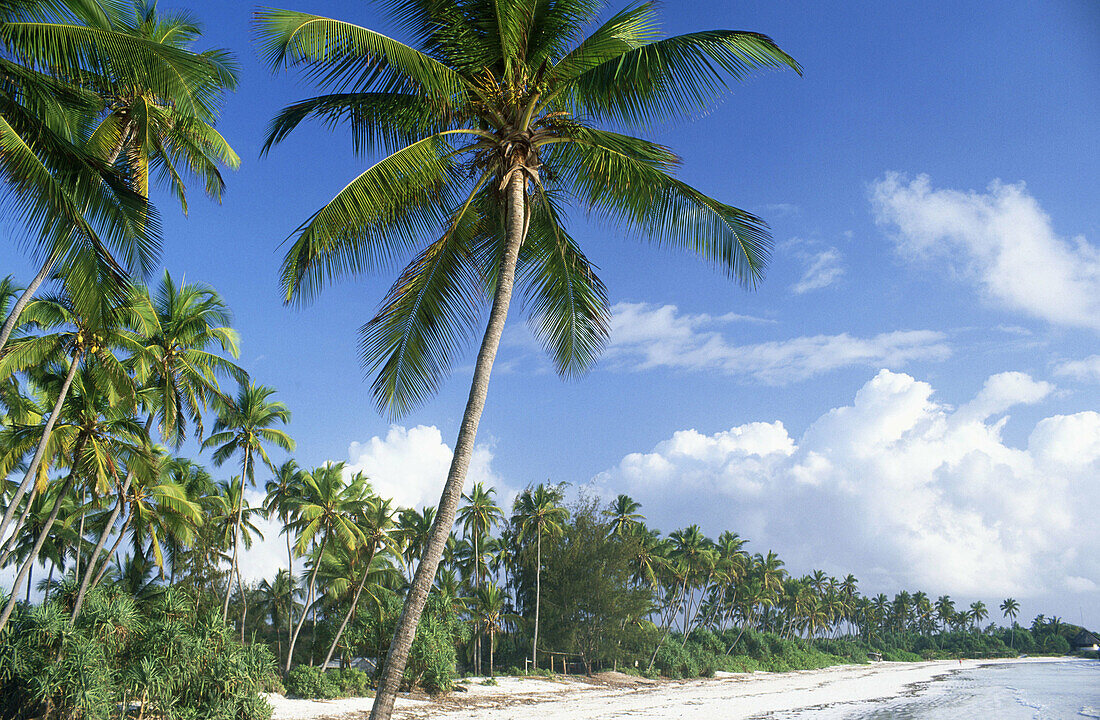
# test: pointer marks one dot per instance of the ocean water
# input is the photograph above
(1066, 690)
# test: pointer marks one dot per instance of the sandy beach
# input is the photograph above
(729, 696)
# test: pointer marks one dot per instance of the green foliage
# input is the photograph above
(432, 658)
(169, 658)
(353, 682)
(306, 681)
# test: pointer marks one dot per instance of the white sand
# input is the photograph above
(728, 697)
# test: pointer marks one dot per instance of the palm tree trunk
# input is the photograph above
(13, 538)
(110, 553)
(40, 451)
(351, 611)
(80, 532)
(306, 609)
(398, 655)
(25, 570)
(290, 573)
(477, 587)
(106, 532)
(17, 309)
(244, 603)
(538, 593)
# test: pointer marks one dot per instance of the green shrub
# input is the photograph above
(311, 682)
(353, 682)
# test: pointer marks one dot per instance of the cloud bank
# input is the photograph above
(1001, 240)
(899, 488)
(645, 337)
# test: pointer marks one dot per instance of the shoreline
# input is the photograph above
(733, 695)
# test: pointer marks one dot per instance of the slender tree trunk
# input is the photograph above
(13, 538)
(40, 451)
(49, 582)
(106, 533)
(80, 532)
(244, 602)
(350, 612)
(290, 608)
(398, 654)
(477, 588)
(538, 593)
(25, 570)
(306, 609)
(30, 582)
(110, 553)
(17, 309)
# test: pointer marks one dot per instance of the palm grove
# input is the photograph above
(501, 119)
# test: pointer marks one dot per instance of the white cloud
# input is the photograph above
(409, 465)
(645, 336)
(1087, 369)
(822, 270)
(897, 487)
(1000, 239)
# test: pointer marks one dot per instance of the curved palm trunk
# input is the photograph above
(307, 608)
(236, 541)
(40, 451)
(538, 596)
(398, 655)
(351, 611)
(28, 564)
(17, 309)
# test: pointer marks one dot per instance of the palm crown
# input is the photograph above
(499, 95)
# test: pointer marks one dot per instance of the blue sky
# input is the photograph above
(932, 184)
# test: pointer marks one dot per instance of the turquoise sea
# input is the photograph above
(1065, 690)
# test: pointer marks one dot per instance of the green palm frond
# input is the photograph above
(673, 77)
(339, 52)
(378, 216)
(567, 303)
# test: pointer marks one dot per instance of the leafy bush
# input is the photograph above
(168, 658)
(311, 682)
(352, 682)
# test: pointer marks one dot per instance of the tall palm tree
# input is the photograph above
(173, 336)
(278, 601)
(1011, 608)
(978, 612)
(236, 528)
(79, 335)
(539, 512)
(246, 425)
(283, 492)
(492, 126)
(489, 616)
(375, 521)
(85, 85)
(99, 438)
(328, 510)
(478, 517)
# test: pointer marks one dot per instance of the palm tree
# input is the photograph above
(414, 528)
(624, 514)
(489, 616)
(1011, 608)
(491, 127)
(236, 529)
(539, 512)
(375, 521)
(278, 601)
(283, 491)
(68, 64)
(978, 612)
(327, 512)
(173, 335)
(245, 425)
(478, 517)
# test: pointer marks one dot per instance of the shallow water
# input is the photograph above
(1023, 691)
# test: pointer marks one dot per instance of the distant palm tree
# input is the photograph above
(478, 517)
(328, 509)
(245, 425)
(978, 612)
(489, 616)
(624, 514)
(490, 130)
(539, 512)
(1011, 608)
(278, 601)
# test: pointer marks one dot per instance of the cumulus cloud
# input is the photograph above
(408, 464)
(822, 270)
(645, 336)
(1087, 369)
(898, 487)
(1000, 239)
